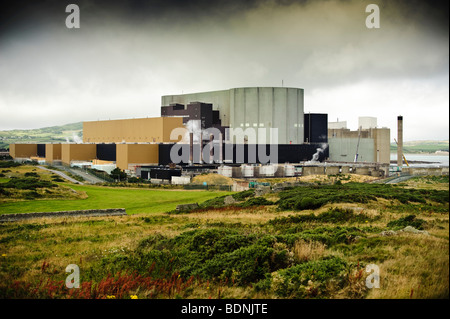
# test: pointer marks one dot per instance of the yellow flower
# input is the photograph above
(133, 297)
(3, 255)
(110, 297)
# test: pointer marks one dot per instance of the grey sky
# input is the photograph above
(125, 56)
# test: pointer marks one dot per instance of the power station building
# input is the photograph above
(367, 144)
(254, 107)
(252, 119)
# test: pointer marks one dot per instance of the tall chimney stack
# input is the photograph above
(400, 141)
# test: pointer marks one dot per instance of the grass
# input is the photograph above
(51, 134)
(238, 251)
(133, 200)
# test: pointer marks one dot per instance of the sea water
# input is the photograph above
(431, 159)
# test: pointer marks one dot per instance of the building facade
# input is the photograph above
(254, 107)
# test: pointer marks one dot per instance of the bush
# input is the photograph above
(29, 183)
(256, 201)
(308, 203)
(308, 279)
(7, 164)
(313, 197)
(409, 220)
(244, 194)
(31, 174)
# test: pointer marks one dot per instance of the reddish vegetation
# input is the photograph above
(121, 285)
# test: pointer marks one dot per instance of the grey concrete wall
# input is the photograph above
(361, 171)
(255, 107)
(345, 170)
(344, 149)
(332, 170)
(436, 171)
(219, 99)
(313, 170)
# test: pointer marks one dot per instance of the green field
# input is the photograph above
(413, 147)
(55, 134)
(133, 200)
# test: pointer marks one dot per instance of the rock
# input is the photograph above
(229, 200)
(410, 229)
(407, 229)
(262, 190)
(185, 207)
(388, 233)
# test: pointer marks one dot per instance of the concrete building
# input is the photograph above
(316, 128)
(78, 152)
(372, 144)
(367, 122)
(156, 130)
(131, 155)
(255, 107)
(23, 150)
(337, 125)
(249, 112)
(53, 153)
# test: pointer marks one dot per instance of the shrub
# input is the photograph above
(7, 164)
(300, 198)
(308, 279)
(31, 174)
(29, 183)
(409, 220)
(256, 201)
(244, 194)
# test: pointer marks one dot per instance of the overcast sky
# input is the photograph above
(127, 54)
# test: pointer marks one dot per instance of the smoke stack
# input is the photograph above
(400, 141)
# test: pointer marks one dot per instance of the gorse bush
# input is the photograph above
(8, 164)
(30, 183)
(332, 215)
(309, 279)
(313, 197)
(409, 220)
(256, 201)
(244, 194)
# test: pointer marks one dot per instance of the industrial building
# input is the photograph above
(254, 107)
(367, 144)
(246, 119)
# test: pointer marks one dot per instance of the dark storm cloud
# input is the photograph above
(129, 53)
(432, 14)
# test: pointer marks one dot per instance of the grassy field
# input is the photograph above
(412, 147)
(134, 200)
(312, 241)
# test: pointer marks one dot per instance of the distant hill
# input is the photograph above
(54, 134)
(412, 147)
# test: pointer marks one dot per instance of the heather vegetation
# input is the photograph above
(302, 242)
